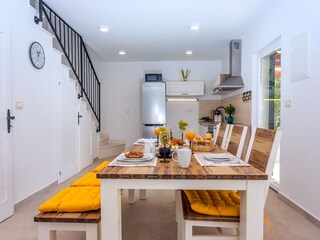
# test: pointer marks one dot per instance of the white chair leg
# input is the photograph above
(91, 231)
(142, 194)
(131, 199)
(44, 232)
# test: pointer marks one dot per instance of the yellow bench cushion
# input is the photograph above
(101, 166)
(90, 179)
(73, 199)
(214, 202)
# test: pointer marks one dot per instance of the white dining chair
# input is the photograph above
(236, 138)
(261, 154)
(222, 135)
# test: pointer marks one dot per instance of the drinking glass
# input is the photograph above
(156, 132)
(190, 134)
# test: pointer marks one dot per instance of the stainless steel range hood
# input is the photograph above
(233, 81)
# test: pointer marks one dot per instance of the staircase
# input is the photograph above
(109, 148)
(75, 56)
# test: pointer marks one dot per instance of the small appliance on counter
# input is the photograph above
(153, 77)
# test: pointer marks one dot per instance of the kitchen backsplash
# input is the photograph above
(206, 107)
(242, 113)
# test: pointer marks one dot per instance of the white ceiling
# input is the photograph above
(159, 30)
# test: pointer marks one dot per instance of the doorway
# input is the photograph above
(269, 103)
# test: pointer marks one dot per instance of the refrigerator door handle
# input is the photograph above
(153, 125)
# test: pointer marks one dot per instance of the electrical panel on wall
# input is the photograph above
(300, 57)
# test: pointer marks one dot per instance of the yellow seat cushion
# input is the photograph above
(101, 166)
(214, 202)
(73, 199)
(90, 179)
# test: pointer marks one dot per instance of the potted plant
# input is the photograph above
(230, 111)
(165, 140)
(185, 74)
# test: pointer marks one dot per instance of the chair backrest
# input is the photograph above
(237, 136)
(262, 151)
(222, 136)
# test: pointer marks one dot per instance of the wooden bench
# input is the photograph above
(50, 223)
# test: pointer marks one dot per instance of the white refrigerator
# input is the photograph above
(186, 111)
(153, 107)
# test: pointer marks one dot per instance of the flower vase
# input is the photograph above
(230, 119)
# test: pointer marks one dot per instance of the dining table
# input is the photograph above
(249, 181)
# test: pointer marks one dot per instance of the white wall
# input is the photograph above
(300, 163)
(34, 129)
(121, 91)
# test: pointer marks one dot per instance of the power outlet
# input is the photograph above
(287, 104)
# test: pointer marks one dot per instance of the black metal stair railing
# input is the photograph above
(77, 56)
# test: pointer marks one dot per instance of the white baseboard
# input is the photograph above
(300, 210)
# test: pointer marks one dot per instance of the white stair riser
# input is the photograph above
(112, 150)
(104, 142)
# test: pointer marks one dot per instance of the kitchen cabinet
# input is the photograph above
(185, 89)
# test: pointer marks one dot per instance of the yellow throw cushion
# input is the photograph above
(90, 179)
(214, 202)
(101, 166)
(73, 199)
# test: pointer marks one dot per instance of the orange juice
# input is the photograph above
(190, 135)
(156, 132)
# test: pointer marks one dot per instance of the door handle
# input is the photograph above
(79, 116)
(9, 118)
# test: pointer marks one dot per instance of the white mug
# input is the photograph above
(184, 157)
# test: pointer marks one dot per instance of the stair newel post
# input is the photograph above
(40, 18)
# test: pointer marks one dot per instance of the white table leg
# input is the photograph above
(251, 208)
(110, 211)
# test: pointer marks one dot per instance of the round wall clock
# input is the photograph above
(37, 55)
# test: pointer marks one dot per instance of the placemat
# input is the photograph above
(233, 161)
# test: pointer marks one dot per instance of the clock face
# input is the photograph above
(37, 55)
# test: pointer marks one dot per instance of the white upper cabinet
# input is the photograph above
(185, 88)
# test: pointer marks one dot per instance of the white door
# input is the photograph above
(68, 125)
(6, 184)
(85, 129)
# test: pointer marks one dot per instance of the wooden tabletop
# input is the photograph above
(172, 171)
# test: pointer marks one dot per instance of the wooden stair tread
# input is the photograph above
(80, 217)
(189, 214)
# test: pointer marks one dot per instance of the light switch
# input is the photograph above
(287, 104)
(19, 105)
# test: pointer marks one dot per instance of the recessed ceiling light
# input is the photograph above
(188, 52)
(122, 52)
(194, 27)
(103, 28)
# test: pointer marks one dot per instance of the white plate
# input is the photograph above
(217, 157)
(146, 157)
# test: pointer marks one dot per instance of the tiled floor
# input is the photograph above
(154, 219)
